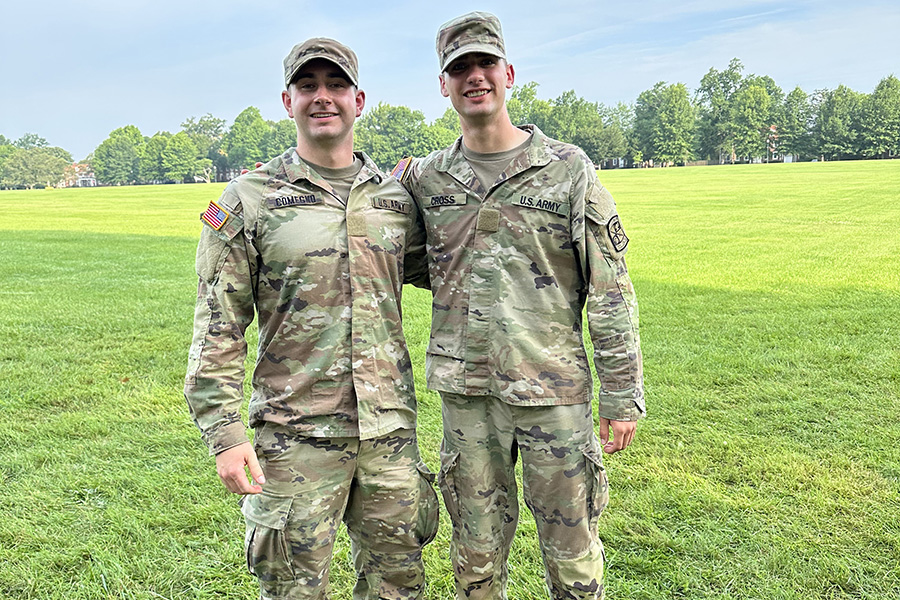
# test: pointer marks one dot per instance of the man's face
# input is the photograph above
(476, 84)
(323, 103)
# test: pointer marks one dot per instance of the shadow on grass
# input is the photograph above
(768, 467)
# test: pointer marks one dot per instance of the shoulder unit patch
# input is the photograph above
(616, 234)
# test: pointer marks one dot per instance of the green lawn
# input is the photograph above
(769, 465)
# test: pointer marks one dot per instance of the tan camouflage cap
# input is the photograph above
(472, 32)
(330, 50)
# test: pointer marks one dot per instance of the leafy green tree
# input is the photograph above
(837, 123)
(449, 121)
(179, 159)
(794, 122)
(619, 130)
(243, 144)
(714, 106)
(280, 136)
(204, 132)
(879, 123)
(89, 161)
(29, 141)
(611, 143)
(437, 136)
(152, 168)
(664, 123)
(574, 120)
(443, 131)
(771, 115)
(35, 166)
(675, 125)
(646, 109)
(6, 149)
(524, 106)
(117, 160)
(773, 91)
(749, 121)
(60, 153)
(207, 133)
(388, 133)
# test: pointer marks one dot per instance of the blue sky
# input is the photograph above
(74, 71)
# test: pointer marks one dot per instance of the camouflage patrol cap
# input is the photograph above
(472, 32)
(330, 50)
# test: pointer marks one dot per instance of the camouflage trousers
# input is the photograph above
(380, 489)
(564, 486)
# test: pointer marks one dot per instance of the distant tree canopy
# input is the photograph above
(731, 117)
(879, 120)
(117, 160)
(37, 165)
(30, 162)
(664, 123)
(243, 144)
(388, 133)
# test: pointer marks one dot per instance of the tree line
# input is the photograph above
(731, 117)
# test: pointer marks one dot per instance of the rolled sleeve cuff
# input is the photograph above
(622, 406)
(226, 436)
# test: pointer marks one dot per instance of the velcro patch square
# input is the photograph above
(488, 220)
(356, 225)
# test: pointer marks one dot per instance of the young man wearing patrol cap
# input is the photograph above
(314, 243)
(521, 238)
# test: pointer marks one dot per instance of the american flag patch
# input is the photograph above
(215, 216)
(400, 170)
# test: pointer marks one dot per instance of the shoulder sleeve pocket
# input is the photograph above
(601, 214)
(214, 247)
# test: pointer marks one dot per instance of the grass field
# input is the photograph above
(769, 465)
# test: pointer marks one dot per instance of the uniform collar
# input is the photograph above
(536, 154)
(296, 169)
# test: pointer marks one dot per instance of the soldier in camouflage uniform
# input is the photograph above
(314, 242)
(521, 238)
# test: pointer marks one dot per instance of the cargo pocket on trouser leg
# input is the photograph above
(266, 545)
(447, 483)
(475, 569)
(582, 577)
(428, 514)
(597, 482)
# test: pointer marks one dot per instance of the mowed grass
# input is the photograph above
(769, 465)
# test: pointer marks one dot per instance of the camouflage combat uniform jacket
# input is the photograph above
(325, 281)
(512, 268)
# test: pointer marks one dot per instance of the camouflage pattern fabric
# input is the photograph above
(564, 485)
(512, 268)
(472, 32)
(391, 513)
(325, 281)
